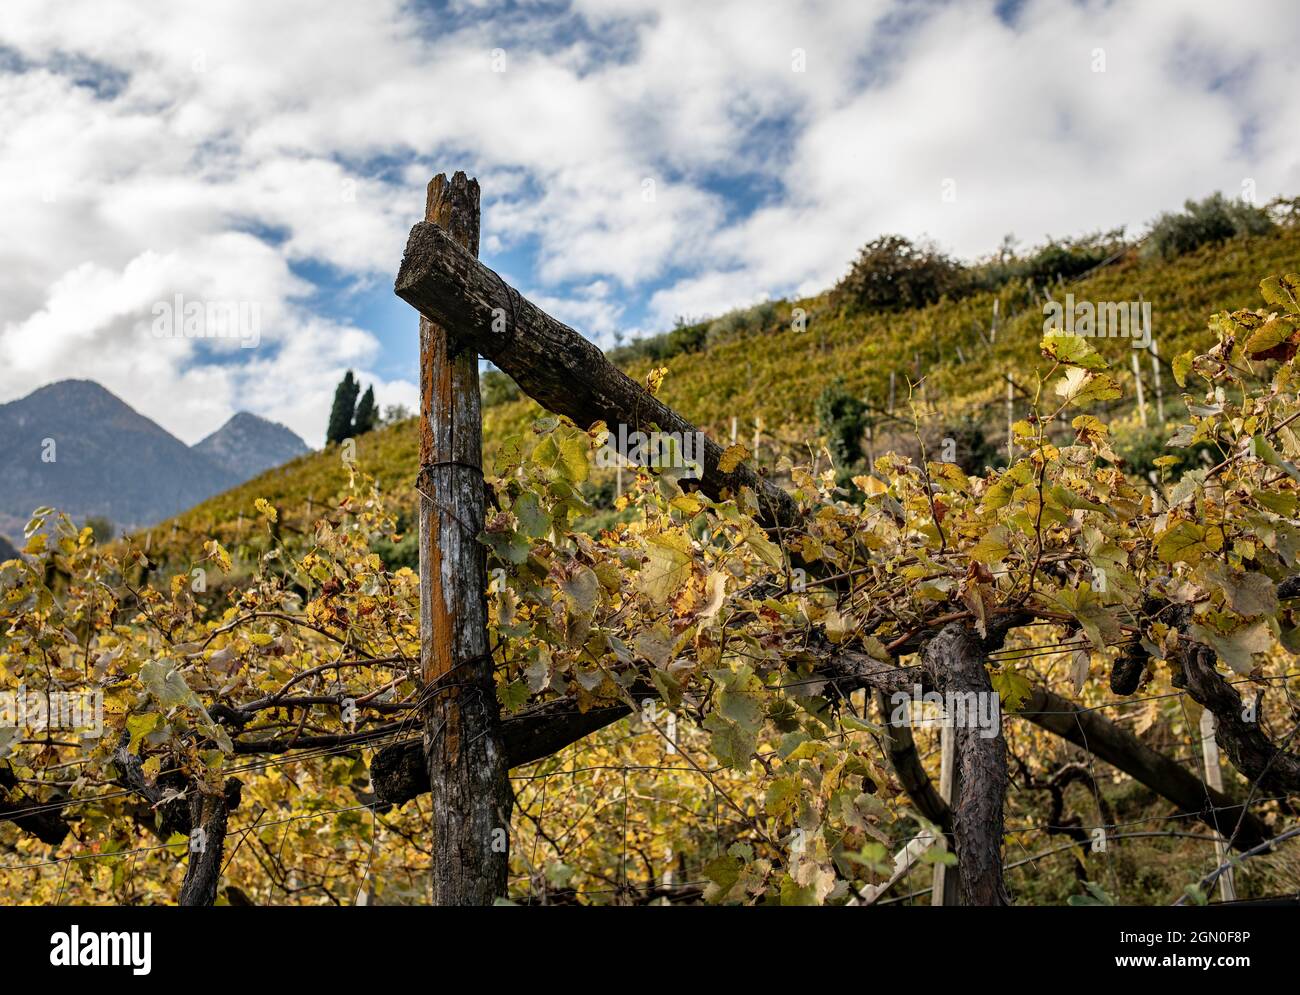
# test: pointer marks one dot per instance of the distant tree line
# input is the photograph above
(893, 273)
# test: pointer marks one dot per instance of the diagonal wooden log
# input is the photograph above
(542, 730)
(1090, 731)
(552, 363)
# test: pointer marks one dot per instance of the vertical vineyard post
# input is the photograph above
(1141, 394)
(1214, 778)
(468, 777)
(1155, 374)
(1011, 419)
(946, 890)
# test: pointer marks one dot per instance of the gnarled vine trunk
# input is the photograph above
(954, 660)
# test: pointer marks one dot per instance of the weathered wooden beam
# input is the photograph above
(544, 729)
(465, 761)
(553, 364)
(946, 884)
(1091, 731)
(398, 772)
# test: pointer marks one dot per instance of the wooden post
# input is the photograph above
(891, 392)
(1011, 418)
(871, 439)
(1214, 778)
(1141, 394)
(946, 890)
(1155, 378)
(904, 860)
(466, 762)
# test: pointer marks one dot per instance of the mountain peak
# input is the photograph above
(247, 444)
(78, 447)
(74, 391)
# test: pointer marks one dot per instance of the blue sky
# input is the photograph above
(276, 154)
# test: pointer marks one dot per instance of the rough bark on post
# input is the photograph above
(462, 737)
(954, 660)
(208, 817)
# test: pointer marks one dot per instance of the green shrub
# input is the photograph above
(497, 388)
(656, 348)
(1066, 259)
(843, 420)
(405, 553)
(741, 322)
(1214, 219)
(893, 274)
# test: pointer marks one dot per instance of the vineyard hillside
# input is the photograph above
(769, 378)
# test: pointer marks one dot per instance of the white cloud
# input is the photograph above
(231, 142)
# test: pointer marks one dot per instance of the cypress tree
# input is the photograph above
(367, 413)
(345, 399)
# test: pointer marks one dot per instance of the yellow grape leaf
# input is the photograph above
(732, 457)
(992, 547)
(1072, 350)
(768, 551)
(1011, 687)
(668, 564)
(869, 485)
(1080, 386)
(1188, 542)
(717, 592)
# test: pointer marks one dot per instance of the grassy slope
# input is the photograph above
(777, 375)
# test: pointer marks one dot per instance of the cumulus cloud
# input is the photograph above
(640, 159)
